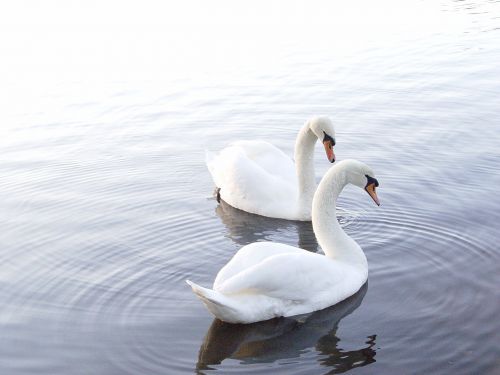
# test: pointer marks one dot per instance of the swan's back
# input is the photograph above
(249, 256)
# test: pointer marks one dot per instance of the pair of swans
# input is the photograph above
(264, 280)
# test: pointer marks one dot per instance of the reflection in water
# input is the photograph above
(285, 338)
(245, 228)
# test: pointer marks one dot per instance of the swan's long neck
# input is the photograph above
(331, 237)
(304, 165)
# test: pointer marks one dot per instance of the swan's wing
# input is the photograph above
(263, 156)
(269, 158)
(257, 177)
(291, 276)
(249, 256)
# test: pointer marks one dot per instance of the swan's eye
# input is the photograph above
(328, 138)
(371, 180)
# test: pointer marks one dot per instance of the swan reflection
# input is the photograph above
(244, 228)
(285, 338)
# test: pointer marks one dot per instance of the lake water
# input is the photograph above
(107, 206)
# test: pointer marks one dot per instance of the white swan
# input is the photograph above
(257, 177)
(265, 280)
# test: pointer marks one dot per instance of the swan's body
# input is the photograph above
(257, 177)
(266, 280)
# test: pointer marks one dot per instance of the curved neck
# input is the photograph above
(304, 166)
(331, 237)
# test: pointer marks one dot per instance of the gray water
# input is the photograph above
(107, 206)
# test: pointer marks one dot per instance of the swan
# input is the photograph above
(257, 177)
(265, 279)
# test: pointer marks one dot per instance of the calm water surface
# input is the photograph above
(107, 207)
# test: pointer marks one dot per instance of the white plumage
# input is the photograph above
(265, 280)
(257, 177)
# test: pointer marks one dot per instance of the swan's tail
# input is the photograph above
(210, 160)
(217, 303)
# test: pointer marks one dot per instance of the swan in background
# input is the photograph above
(257, 177)
(265, 279)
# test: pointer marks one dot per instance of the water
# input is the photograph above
(107, 207)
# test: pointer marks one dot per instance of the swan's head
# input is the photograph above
(322, 128)
(361, 175)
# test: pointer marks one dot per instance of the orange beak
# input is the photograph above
(329, 151)
(370, 189)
